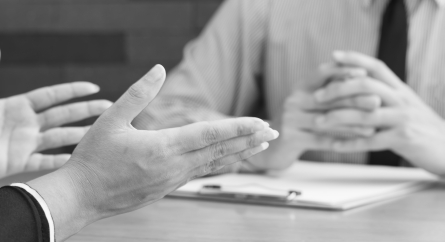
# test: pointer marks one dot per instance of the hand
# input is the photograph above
(298, 127)
(407, 125)
(29, 125)
(117, 168)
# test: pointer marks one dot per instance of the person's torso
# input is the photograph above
(303, 34)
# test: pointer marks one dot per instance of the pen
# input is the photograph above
(213, 190)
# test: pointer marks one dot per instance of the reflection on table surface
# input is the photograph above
(416, 217)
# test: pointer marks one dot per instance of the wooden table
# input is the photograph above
(419, 217)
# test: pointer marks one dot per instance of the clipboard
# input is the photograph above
(311, 185)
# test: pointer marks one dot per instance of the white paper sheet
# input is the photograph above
(335, 186)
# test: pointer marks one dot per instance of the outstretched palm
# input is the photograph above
(29, 125)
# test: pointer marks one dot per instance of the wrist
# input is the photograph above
(69, 211)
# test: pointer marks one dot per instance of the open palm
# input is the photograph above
(29, 124)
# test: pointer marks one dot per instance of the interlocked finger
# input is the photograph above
(333, 72)
(375, 67)
(350, 88)
(381, 141)
(308, 102)
(316, 141)
(364, 102)
(384, 117)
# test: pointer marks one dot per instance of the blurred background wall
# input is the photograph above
(108, 42)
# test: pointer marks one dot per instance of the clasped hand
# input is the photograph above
(405, 124)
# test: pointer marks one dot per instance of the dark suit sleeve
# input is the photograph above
(21, 217)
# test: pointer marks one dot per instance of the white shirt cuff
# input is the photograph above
(44, 206)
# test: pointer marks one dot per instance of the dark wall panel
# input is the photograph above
(108, 42)
(43, 48)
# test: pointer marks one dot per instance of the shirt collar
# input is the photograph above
(368, 3)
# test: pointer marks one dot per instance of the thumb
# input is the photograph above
(139, 95)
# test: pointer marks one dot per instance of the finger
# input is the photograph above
(57, 116)
(229, 147)
(383, 117)
(199, 135)
(138, 96)
(367, 102)
(46, 97)
(346, 131)
(316, 141)
(375, 67)
(364, 102)
(363, 86)
(59, 137)
(308, 102)
(334, 72)
(308, 121)
(381, 141)
(354, 87)
(39, 162)
(215, 165)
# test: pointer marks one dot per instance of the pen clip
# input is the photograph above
(216, 191)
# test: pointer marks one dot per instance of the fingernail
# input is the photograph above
(264, 145)
(156, 73)
(268, 134)
(96, 88)
(338, 55)
(319, 95)
(276, 134)
(320, 120)
(107, 104)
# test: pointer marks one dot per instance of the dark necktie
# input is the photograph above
(392, 51)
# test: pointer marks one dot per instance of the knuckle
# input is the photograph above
(240, 130)
(251, 141)
(242, 156)
(135, 93)
(374, 102)
(405, 132)
(363, 84)
(219, 150)
(211, 134)
(210, 167)
(364, 117)
(356, 102)
(379, 65)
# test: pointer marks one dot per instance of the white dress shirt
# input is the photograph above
(255, 53)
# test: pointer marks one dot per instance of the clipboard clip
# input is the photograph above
(217, 191)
